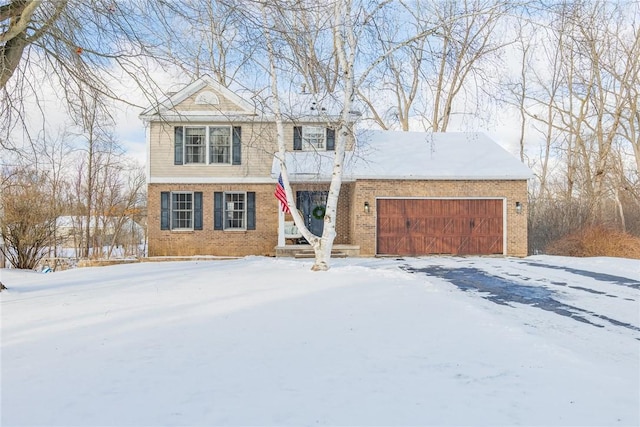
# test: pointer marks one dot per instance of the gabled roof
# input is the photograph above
(168, 104)
(411, 155)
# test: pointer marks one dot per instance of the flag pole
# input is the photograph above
(281, 241)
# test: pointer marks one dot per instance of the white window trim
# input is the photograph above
(171, 210)
(308, 146)
(230, 143)
(207, 149)
(224, 211)
(184, 144)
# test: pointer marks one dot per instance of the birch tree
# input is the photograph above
(348, 20)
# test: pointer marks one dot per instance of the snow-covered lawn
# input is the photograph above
(261, 341)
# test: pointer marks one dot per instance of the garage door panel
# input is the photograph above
(440, 226)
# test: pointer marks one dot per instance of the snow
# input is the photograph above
(263, 341)
(412, 155)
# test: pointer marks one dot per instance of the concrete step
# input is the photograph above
(311, 254)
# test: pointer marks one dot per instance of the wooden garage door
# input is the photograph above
(437, 226)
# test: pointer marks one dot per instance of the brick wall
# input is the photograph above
(208, 241)
(354, 226)
(363, 225)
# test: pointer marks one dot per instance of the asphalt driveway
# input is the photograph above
(582, 295)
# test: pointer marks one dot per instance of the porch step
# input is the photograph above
(311, 254)
(305, 251)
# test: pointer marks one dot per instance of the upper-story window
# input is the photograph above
(219, 144)
(313, 138)
(207, 145)
(194, 145)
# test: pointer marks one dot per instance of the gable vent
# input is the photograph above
(207, 98)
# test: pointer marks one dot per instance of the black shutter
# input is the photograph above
(251, 210)
(297, 137)
(178, 145)
(165, 210)
(236, 150)
(331, 139)
(217, 210)
(197, 210)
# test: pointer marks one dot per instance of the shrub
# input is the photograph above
(596, 241)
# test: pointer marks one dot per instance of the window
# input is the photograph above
(313, 138)
(194, 145)
(219, 145)
(207, 145)
(181, 210)
(234, 210)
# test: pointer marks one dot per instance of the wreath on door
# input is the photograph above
(318, 212)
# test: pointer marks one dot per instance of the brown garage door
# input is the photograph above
(437, 226)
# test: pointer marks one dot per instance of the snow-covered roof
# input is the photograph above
(411, 155)
(296, 107)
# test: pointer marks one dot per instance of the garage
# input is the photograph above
(412, 227)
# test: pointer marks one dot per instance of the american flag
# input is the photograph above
(282, 195)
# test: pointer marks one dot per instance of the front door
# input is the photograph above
(312, 204)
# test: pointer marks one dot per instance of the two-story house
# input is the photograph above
(212, 175)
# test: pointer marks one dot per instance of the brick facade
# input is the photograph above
(355, 226)
(208, 241)
(261, 241)
(363, 225)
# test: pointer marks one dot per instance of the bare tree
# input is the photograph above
(463, 51)
(601, 66)
(22, 23)
(393, 87)
(201, 37)
(51, 156)
(581, 97)
(65, 44)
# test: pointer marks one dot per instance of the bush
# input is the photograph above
(27, 223)
(596, 241)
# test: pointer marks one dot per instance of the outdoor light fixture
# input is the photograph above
(518, 207)
(366, 207)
